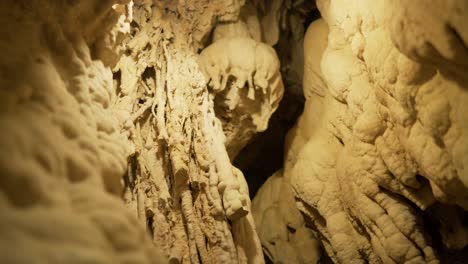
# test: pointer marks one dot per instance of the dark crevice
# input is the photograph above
(117, 76)
(264, 154)
(149, 72)
(149, 223)
(311, 17)
(434, 222)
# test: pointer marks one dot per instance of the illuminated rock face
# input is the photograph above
(120, 119)
(62, 155)
(382, 137)
(78, 135)
(282, 229)
(245, 76)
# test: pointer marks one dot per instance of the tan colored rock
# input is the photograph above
(247, 25)
(281, 227)
(62, 155)
(381, 138)
(76, 136)
(244, 76)
(181, 182)
(148, 101)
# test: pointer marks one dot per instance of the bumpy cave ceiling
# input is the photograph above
(234, 131)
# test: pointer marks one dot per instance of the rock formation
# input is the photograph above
(62, 153)
(282, 229)
(381, 139)
(102, 100)
(121, 119)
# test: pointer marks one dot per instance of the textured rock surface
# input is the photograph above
(382, 137)
(61, 153)
(243, 71)
(180, 180)
(281, 227)
(244, 74)
(263, 155)
(150, 100)
(76, 136)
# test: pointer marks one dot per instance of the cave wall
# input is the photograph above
(181, 183)
(377, 160)
(120, 120)
(62, 154)
(104, 101)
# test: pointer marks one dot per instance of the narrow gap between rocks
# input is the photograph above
(264, 154)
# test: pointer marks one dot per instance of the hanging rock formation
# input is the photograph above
(251, 70)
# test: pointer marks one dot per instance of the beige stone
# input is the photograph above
(120, 120)
(377, 137)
